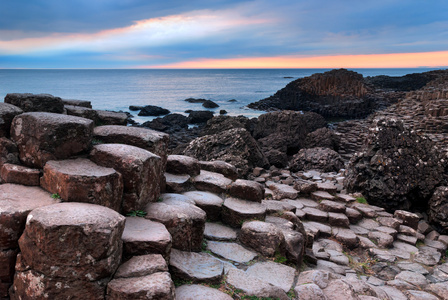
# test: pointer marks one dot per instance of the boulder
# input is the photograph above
(438, 209)
(265, 238)
(81, 111)
(41, 137)
(397, 168)
(36, 102)
(221, 123)
(199, 116)
(285, 131)
(7, 113)
(151, 140)
(151, 110)
(184, 221)
(181, 164)
(81, 103)
(219, 166)
(212, 182)
(170, 123)
(208, 202)
(79, 270)
(8, 152)
(81, 180)
(209, 104)
(106, 117)
(195, 100)
(234, 146)
(236, 211)
(141, 171)
(322, 159)
(11, 173)
(323, 137)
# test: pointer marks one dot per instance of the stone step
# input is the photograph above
(11, 173)
(81, 180)
(218, 232)
(247, 190)
(197, 267)
(278, 275)
(184, 221)
(282, 191)
(219, 166)
(177, 183)
(209, 202)
(263, 237)
(199, 292)
(142, 236)
(231, 251)
(236, 211)
(181, 164)
(106, 117)
(141, 266)
(141, 170)
(211, 182)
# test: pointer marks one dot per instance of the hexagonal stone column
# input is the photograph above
(141, 171)
(16, 201)
(70, 249)
(81, 180)
(41, 137)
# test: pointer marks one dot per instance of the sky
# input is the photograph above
(223, 34)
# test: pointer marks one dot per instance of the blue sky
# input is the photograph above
(138, 34)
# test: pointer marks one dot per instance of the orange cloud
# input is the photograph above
(394, 60)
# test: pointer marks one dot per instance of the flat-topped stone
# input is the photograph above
(53, 136)
(141, 266)
(338, 220)
(345, 198)
(368, 224)
(282, 191)
(309, 291)
(331, 206)
(7, 113)
(308, 202)
(366, 210)
(382, 239)
(199, 292)
(145, 138)
(295, 203)
(184, 221)
(211, 182)
(305, 186)
(321, 195)
(209, 202)
(274, 273)
(231, 251)
(75, 102)
(181, 164)
(36, 102)
(236, 211)
(253, 286)
(247, 190)
(263, 237)
(346, 237)
(219, 166)
(142, 236)
(314, 214)
(327, 187)
(440, 289)
(106, 117)
(141, 171)
(409, 219)
(275, 206)
(17, 174)
(218, 232)
(83, 112)
(353, 215)
(81, 180)
(177, 183)
(16, 201)
(197, 267)
(390, 222)
(322, 229)
(157, 286)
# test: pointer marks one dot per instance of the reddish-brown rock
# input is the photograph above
(263, 237)
(36, 102)
(7, 113)
(20, 175)
(81, 180)
(219, 166)
(141, 171)
(151, 140)
(41, 137)
(184, 221)
(181, 164)
(8, 152)
(69, 251)
(247, 190)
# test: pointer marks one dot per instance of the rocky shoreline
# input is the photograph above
(279, 207)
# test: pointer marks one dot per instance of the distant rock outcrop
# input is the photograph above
(336, 93)
(318, 158)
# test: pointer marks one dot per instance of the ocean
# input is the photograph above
(117, 89)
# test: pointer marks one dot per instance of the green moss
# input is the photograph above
(361, 200)
(137, 213)
(55, 196)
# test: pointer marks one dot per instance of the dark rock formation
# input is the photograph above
(40, 102)
(8, 152)
(151, 110)
(319, 158)
(406, 83)
(323, 137)
(222, 123)
(170, 123)
(397, 169)
(199, 116)
(438, 209)
(7, 113)
(336, 93)
(235, 146)
(195, 100)
(209, 104)
(81, 103)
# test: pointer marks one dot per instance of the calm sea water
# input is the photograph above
(117, 89)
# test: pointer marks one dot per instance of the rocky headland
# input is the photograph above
(284, 206)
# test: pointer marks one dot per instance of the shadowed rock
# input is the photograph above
(20, 175)
(7, 113)
(36, 102)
